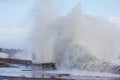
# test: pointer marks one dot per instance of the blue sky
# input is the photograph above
(15, 17)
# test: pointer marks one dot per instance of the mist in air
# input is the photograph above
(74, 39)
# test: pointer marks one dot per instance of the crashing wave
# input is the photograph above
(76, 41)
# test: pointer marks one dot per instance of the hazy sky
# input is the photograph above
(15, 17)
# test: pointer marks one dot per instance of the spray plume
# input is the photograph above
(75, 39)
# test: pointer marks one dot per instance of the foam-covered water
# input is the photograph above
(75, 41)
(3, 55)
(25, 55)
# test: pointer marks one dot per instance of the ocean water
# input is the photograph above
(74, 41)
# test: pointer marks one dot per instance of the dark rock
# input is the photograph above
(115, 69)
(2, 64)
